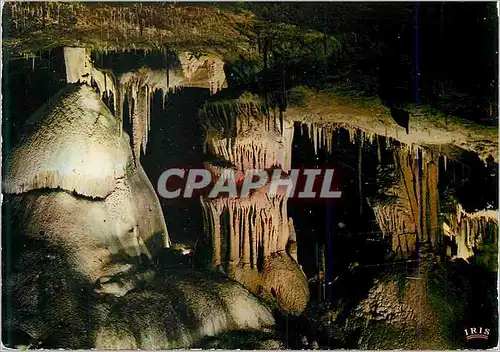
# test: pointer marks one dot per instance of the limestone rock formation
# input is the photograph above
(189, 306)
(124, 27)
(251, 241)
(73, 183)
(71, 143)
(244, 134)
(138, 87)
(55, 306)
(398, 317)
(426, 130)
(88, 262)
(470, 230)
(250, 236)
(408, 209)
(83, 239)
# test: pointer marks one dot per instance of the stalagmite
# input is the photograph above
(87, 224)
(292, 243)
(258, 210)
(259, 240)
(409, 209)
(75, 148)
(71, 160)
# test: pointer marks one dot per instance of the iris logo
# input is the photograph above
(477, 333)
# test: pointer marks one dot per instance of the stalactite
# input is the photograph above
(423, 197)
(237, 132)
(140, 86)
(471, 230)
(79, 69)
(257, 224)
(379, 150)
(409, 211)
(212, 65)
(139, 121)
(360, 175)
(120, 100)
(404, 163)
(248, 153)
(433, 191)
(417, 202)
(321, 135)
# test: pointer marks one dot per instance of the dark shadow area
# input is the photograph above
(336, 226)
(470, 181)
(41, 292)
(122, 62)
(466, 297)
(27, 84)
(175, 141)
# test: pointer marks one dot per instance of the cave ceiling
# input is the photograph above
(295, 33)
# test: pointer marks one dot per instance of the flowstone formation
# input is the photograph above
(88, 222)
(78, 160)
(252, 237)
(244, 133)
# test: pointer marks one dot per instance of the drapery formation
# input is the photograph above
(244, 134)
(410, 211)
(246, 231)
(250, 235)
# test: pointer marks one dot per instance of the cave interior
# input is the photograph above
(399, 99)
